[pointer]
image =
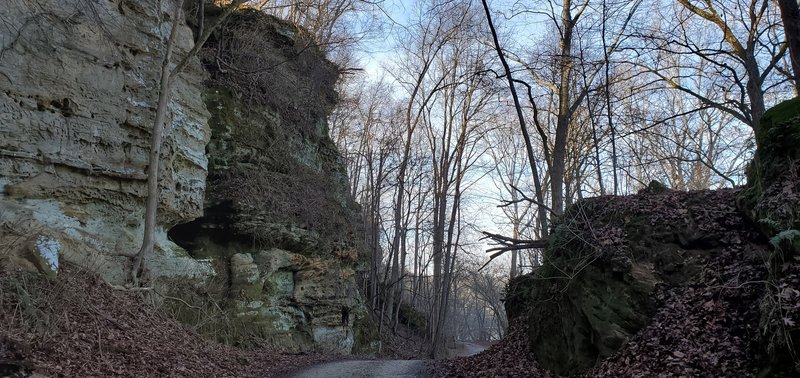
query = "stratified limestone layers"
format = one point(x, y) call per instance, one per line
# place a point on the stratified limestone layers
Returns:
point(279, 217)
point(78, 89)
point(277, 245)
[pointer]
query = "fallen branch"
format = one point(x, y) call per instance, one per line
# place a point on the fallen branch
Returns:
point(505, 244)
point(187, 304)
point(128, 288)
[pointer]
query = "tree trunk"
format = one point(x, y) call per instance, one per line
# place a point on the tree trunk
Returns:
point(754, 91)
point(609, 111)
point(521, 118)
point(791, 26)
point(440, 208)
point(514, 253)
point(564, 116)
point(164, 95)
point(151, 204)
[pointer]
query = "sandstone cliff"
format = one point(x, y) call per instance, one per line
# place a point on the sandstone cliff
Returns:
point(279, 221)
point(276, 249)
point(78, 87)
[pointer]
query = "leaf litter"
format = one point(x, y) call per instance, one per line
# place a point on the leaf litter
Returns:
point(706, 327)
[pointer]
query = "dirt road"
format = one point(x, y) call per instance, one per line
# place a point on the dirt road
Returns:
point(364, 369)
point(464, 349)
point(383, 368)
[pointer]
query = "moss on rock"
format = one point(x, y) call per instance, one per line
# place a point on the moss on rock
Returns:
point(604, 260)
point(517, 295)
point(366, 340)
point(278, 211)
point(771, 199)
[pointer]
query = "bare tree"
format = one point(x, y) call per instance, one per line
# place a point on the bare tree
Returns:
point(454, 148)
point(507, 155)
point(750, 53)
point(336, 26)
point(539, 191)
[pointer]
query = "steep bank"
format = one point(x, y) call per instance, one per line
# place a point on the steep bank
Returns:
point(613, 264)
point(771, 199)
point(78, 326)
point(658, 283)
point(274, 257)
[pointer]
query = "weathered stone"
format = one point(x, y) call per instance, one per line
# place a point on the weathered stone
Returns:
point(246, 282)
point(78, 90)
point(771, 199)
point(771, 196)
point(47, 252)
point(655, 186)
point(78, 87)
point(603, 262)
point(278, 192)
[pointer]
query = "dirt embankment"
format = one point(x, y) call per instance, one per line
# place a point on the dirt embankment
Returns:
point(699, 315)
point(78, 326)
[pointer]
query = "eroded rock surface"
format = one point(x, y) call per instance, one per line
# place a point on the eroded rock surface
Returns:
point(613, 263)
point(78, 88)
point(771, 199)
point(273, 256)
point(278, 212)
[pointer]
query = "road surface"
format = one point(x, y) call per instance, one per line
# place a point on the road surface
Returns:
point(365, 369)
point(383, 368)
point(464, 349)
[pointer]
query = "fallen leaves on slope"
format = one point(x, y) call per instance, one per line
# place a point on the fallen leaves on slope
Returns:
point(77, 326)
point(708, 327)
point(509, 357)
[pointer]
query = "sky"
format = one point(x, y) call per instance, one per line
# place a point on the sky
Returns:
point(375, 56)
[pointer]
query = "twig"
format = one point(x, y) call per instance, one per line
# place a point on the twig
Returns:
point(129, 289)
point(178, 299)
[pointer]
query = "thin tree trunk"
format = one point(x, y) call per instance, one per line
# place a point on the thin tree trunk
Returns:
point(417, 279)
point(609, 111)
point(151, 205)
point(791, 26)
point(164, 95)
point(754, 93)
point(521, 117)
point(564, 116)
point(596, 142)
point(514, 253)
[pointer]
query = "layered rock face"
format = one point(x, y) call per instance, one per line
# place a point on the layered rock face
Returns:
point(279, 217)
point(276, 249)
point(78, 88)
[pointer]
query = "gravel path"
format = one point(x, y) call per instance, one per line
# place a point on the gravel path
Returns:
point(364, 369)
